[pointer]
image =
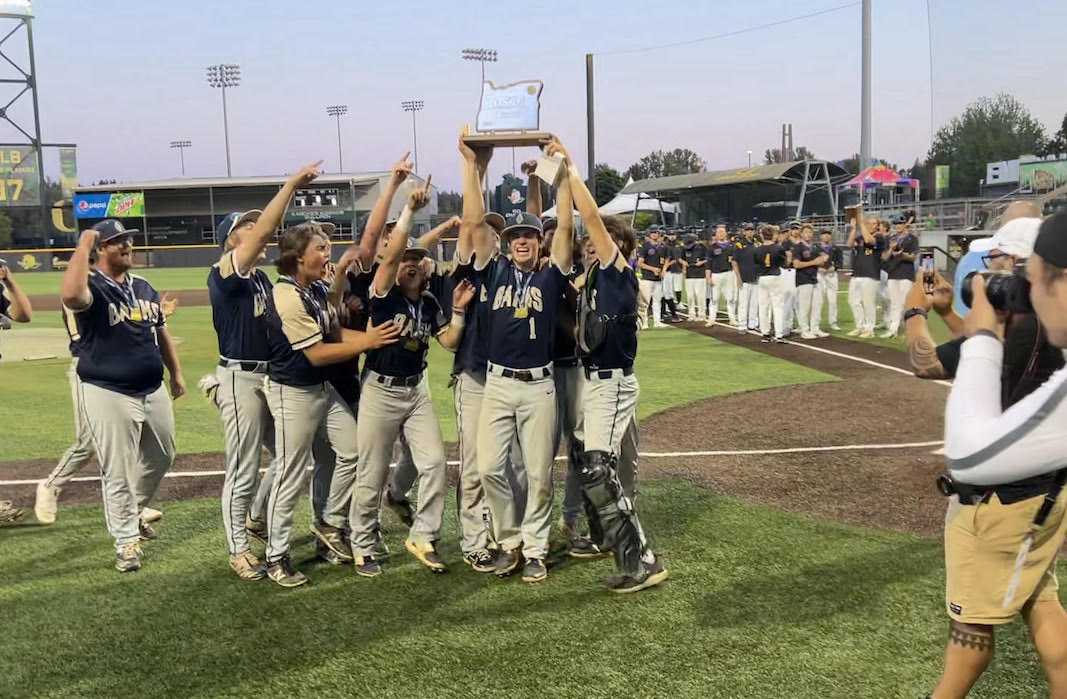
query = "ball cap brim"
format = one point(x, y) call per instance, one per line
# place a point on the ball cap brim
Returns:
point(111, 229)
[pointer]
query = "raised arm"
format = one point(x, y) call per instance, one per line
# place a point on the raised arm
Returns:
point(385, 277)
point(605, 246)
point(473, 235)
point(563, 241)
point(430, 240)
point(368, 242)
point(451, 336)
point(20, 311)
point(74, 290)
point(250, 246)
point(533, 189)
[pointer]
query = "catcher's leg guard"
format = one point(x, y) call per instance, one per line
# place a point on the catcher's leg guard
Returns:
point(612, 521)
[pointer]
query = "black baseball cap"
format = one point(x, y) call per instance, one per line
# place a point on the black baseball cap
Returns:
point(522, 220)
point(233, 221)
point(110, 229)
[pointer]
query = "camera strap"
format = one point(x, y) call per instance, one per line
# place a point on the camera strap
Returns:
point(1050, 499)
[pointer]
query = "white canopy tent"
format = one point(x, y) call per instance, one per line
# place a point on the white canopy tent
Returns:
point(626, 203)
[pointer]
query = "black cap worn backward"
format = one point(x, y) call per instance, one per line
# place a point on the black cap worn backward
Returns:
point(522, 220)
point(233, 221)
point(1051, 242)
point(110, 228)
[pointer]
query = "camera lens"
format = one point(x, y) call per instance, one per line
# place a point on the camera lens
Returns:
point(1006, 291)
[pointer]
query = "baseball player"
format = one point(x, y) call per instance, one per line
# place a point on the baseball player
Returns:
point(519, 396)
point(14, 304)
point(304, 339)
point(238, 291)
point(828, 281)
point(746, 277)
point(124, 345)
point(866, 270)
point(899, 263)
point(652, 260)
point(720, 277)
point(807, 259)
point(772, 258)
point(788, 239)
point(607, 334)
point(396, 397)
point(694, 261)
point(674, 280)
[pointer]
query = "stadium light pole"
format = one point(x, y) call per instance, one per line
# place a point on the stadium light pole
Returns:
point(181, 146)
point(338, 110)
point(749, 153)
point(413, 106)
point(865, 88)
point(224, 75)
point(484, 56)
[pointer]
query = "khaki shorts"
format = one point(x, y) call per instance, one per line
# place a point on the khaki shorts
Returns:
point(982, 543)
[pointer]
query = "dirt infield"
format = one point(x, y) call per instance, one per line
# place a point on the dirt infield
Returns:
point(868, 405)
point(186, 297)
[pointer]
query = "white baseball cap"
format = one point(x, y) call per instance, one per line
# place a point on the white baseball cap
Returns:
point(1016, 237)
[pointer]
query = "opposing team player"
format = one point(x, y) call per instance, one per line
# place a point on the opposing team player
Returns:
point(124, 345)
point(608, 336)
point(720, 277)
point(807, 259)
point(746, 277)
point(828, 281)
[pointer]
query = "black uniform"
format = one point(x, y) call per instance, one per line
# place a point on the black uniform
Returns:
point(695, 253)
point(835, 258)
point(418, 321)
point(653, 255)
point(803, 252)
point(719, 256)
point(866, 259)
point(771, 257)
point(898, 268)
point(745, 254)
point(238, 309)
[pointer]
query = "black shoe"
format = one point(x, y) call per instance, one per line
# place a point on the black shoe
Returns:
point(652, 574)
point(401, 507)
point(367, 567)
point(507, 563)
point(583, 547)
point(534, 571)
point(427, 555)
point(283, 573)
point(482, 561)
point(334, 539)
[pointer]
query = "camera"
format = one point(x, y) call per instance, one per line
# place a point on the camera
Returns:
point(1007, 291)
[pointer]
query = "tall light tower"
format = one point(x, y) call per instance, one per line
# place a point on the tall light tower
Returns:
point(224, 75)
point(483, 56)
point(413, 106)
point(338, 110)
point(181, 146)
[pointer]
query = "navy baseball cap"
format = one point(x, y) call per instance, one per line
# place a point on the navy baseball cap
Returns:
point(110, 229)
point(522, 220)
point(233, 221)
point(495, 221)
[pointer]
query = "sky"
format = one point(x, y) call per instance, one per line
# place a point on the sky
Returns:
point(124, 79)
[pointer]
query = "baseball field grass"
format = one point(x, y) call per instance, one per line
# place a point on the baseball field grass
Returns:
point(674, 367)
point(162, 278)
point(760, 604)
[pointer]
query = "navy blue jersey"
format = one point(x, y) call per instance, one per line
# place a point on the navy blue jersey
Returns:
point(523, 311)
point(771, 258)
point(895, 266)
point(608, 316)
point(473, 353)
point(565, 350)
point(719, 256)
point(238, 308)
point(676, 254)
point(357, 297)
point(866, 260)
point(653, 254)
point(804, 252)
point(5, 303)
point(744, 254)
point(298, 318)
point(70, 323)
point(695, 254)
point(835, 258)
point(117, 336)
point(418, 322)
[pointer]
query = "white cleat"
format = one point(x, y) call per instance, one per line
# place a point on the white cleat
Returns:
point(867, 334)
point(820, 333)
point(46, 505)
point(150, 515)
point(807, 336)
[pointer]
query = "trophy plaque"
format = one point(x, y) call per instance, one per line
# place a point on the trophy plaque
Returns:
point(509, 116)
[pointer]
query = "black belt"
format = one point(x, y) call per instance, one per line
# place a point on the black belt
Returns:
point(565, 363)
point(607, 373)
point(525, 374)
point(1008, 494)
point(254, 367)
point(406, 381)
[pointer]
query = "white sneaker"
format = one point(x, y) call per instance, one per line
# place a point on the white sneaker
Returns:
point(820, 333)
point(659, 325)
point(887, 335)
point(854, 332)
point(807, 336)
point(708, 324)
point(46, 505)
point(835, 326)
point(865, 334)
point(150, 515)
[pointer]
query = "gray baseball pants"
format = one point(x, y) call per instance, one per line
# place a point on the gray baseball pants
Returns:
point(528, 410)
point(81, 450)
point(384, 413)
point(568, 395)
point(247, 425)
point(302, 415)
point(134, 441)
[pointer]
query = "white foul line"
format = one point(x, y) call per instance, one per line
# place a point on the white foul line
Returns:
point(644, 454)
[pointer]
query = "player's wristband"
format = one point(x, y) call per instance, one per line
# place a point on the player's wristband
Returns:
point(912, 312)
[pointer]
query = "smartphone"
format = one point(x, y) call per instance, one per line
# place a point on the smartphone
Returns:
point(926, 266)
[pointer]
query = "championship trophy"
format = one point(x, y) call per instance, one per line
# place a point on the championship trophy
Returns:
point(509, 116)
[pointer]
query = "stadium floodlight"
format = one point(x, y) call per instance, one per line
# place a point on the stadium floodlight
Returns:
point(181, 146)
point(22, 8)
point(483, 56)
point(338, 110)
point(224, 75)
point(413, 106)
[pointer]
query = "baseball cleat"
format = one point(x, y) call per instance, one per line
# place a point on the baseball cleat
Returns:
point(866, 334)
point(765, 339)
point(329, 557)
point(820, 333)
point(401, 507)
point(808, 336)
point(583, 547)
point(367, 567)
point(9, 513)
point(334, 539)
point(283, 573)
point(534, 571)
point(46, 503)
point(257, 529)
point(427, 555)
point(149, 515)
point(854, 332)
point(835, 326)
point(247, 566)
point(128, 558)
point(380, 550)
point(653, 575)
point(482, 561)
point(887, 335)
point(507, 563)
point(145, 532)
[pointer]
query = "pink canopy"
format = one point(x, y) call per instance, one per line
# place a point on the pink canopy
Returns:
point(880, 176)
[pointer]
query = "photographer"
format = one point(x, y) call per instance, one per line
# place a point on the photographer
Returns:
point(1007, 467)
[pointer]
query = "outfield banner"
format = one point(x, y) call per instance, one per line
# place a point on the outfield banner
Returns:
point(20, 183)
point(114, 205)
point(940, 181)
point(68, 171)
point(1043, 176)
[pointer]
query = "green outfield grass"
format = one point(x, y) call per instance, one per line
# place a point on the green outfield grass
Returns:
point(162, 278)
point(760, 604)
point(674, 367)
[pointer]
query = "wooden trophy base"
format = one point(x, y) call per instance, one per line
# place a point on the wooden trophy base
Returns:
point(515, 139)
